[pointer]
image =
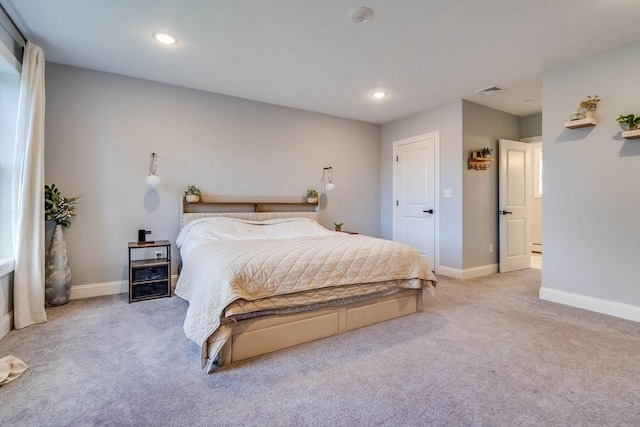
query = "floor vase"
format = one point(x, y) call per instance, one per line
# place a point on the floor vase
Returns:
point(57, 271)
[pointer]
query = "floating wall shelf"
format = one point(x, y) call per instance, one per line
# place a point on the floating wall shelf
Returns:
point(479, 163)
point(582, 123)
point(631, 134)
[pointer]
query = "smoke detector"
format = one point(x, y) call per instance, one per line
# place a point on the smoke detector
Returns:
point(491, 90)
point(360, 15)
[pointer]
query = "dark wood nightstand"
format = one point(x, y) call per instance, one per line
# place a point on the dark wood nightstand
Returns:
point(150, 277)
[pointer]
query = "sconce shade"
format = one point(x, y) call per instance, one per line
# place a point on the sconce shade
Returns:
point(153, 181)
point(329, 187)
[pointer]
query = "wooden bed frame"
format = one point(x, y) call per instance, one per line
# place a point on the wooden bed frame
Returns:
point(261, 335)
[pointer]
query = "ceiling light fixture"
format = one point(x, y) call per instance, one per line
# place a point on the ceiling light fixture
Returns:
point(164, 38)
point(379, 94)
point(360, 15)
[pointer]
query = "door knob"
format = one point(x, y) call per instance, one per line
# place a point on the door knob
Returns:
point(428, 211)
point(504, 213)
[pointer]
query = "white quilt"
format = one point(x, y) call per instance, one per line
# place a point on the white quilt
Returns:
point(217, 272)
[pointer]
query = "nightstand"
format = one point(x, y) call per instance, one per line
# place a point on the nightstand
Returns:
point(150, 277)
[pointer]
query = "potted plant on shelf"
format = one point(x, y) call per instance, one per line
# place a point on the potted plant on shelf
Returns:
point(630, 121)
point(57, 280)
point(589, 106)
point(312, 196)
point(633, 125)
point(192, 194)
point(338, 225)
point(486, 152)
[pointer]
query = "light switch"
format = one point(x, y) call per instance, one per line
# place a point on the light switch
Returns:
point(447, 193)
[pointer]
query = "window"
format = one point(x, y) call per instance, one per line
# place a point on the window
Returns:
point(9, 90)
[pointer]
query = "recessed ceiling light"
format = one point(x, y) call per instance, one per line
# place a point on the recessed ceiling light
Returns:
point(360, 15)
point(379, 94)
point(164, 38)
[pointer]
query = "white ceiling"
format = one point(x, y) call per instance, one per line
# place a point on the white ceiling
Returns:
point(308, 55)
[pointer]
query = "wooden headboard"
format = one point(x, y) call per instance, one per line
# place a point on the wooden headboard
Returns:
point(253, 208)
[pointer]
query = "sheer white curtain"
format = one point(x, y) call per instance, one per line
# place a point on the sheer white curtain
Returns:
point(28, 193)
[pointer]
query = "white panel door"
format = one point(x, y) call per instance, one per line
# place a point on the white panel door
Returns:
point(415, 201)
point(514, 210)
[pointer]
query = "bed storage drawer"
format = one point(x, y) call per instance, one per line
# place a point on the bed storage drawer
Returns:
point(256, 343)
point(359, 317)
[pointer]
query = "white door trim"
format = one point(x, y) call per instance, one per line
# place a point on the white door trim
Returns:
point(436, 136)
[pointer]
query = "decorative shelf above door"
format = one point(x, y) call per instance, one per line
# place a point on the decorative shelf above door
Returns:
point(479, 163)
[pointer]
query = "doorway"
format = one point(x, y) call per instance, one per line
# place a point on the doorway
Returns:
point(536, 200)
point(415, 194)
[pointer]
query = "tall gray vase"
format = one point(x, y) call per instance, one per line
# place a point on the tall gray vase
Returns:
point(57, 271)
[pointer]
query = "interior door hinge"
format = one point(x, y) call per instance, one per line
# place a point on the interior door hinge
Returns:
point(396, 203)
point(396, 158)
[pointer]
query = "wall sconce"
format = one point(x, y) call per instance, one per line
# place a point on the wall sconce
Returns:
point(329, 186)
point(153, 180)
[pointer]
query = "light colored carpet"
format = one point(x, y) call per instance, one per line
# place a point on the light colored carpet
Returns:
point(486, 352)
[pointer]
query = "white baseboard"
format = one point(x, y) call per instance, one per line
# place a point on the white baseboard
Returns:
point(107, 288)
point(6, 325)
point(99, 289)
point(611, 308)
point(469, 273)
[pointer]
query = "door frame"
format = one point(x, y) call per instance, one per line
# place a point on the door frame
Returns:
point(436, 237)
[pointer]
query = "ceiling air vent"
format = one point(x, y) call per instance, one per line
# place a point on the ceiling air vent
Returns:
point(491, 90)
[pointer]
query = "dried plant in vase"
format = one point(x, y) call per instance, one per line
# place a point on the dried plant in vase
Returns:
point(589, 106)
point(57, 276)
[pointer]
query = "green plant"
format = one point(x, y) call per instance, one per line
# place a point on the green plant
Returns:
point(591, 103)
point(486, 152)
point(312, 194)
point(630, 120)
point(192, 190)
point(338, 224)
point(57, 208)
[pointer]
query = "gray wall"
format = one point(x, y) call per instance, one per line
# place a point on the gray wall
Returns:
point(591, 205)
point(448, 120)
point(101, 129)
point(482, 127)
point(531, 125)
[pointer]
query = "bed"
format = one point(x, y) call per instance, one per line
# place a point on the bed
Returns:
point(261, 274)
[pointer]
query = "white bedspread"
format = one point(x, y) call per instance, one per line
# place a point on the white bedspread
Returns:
point(218, 272)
